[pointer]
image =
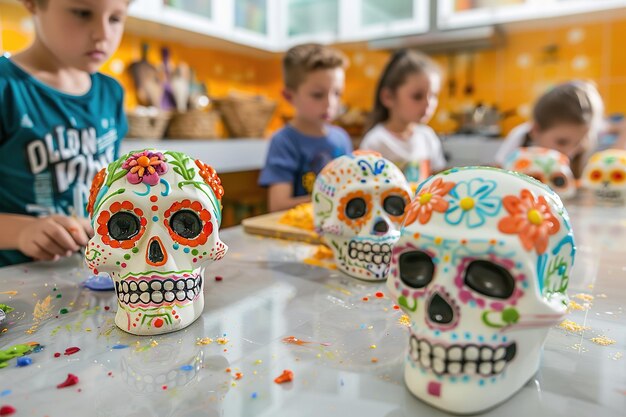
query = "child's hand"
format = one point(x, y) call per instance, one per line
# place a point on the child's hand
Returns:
point(55, 236)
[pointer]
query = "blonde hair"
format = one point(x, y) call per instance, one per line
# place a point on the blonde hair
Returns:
point(401, 64)
point(303, 59)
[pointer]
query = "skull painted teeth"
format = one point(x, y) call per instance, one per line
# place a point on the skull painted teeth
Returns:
point(156, 216)
point(359, 202)
point(546, 165)
point(481, 268)
point(605, 175)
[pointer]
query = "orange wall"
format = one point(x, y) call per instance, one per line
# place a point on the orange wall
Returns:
point(511, 76)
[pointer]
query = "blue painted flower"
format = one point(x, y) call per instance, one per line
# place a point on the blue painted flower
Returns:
point(472, 201)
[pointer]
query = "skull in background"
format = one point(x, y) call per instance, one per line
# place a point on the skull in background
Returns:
point(546, 165)
point(359, 202)
point(155, 216)
point(605, 174)
point(481, 268)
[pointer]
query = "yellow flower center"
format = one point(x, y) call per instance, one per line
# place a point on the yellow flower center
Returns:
point(535, 217)
point(467, 203)
point(425, 198)
point(143, 161)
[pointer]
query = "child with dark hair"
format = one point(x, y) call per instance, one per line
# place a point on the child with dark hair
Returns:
point(567, 118)
point(406, 99)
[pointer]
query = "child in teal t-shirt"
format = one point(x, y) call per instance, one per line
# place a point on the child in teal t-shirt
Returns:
point(61, 122)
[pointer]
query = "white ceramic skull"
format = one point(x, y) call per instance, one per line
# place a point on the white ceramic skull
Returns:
point(481, 268)
point(605, 174)
point(155, 216)
point(549, 166)
point(359, 202)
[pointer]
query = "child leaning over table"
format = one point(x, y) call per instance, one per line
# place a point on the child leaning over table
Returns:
point(314, 81)
point(61, 122)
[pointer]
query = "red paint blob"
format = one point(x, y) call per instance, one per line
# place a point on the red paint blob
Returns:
point(365, 299)
point(154, 198)
point(379, 294)
point(95, 271)
point(286, 376)
point(155, 208)
point(6, 410)
point(71, 380)
point(218, 278)
point(71, 350)
point(164, 387)
point(107, 308)
point(158, 323)
point(396, 307)
point(110, 374)
point(56, 355)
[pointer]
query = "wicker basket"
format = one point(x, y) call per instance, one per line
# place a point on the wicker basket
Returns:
point(142, 126)
point(246, 116)
point(194, 124)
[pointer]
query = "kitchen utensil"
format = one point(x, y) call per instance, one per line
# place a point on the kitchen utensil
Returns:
point(180, 86)
point(469, 78)
point(144, 76)
point(168, 102)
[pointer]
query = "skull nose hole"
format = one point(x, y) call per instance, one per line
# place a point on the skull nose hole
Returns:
point(156, 254)
point(381, 226)
point(439, 310)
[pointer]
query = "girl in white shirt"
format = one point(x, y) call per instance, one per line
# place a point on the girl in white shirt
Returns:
point(406, 99)
point(567, 118)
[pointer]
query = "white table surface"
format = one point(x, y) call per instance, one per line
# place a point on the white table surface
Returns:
point(267, 294)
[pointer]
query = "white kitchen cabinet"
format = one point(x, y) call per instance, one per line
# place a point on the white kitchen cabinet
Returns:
point(463, 14)
point(309, 21)
point(248, 22)
point(375, 19)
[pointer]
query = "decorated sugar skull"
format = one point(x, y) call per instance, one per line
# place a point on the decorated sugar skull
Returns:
point(481, 268)
point(155, 216)
point(359, 202)
point(546, 165)
point(605, 174)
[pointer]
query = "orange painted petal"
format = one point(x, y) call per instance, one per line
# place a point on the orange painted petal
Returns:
point(439, 204)
point(510, 225)
point(511, 204)
point(527, 236)
point(424, 215)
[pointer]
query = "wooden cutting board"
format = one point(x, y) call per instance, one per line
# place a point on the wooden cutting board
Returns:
point(268, 225)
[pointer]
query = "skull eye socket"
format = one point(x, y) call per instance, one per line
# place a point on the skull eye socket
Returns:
point(618, 176)
point(394, 205)
point(356, 208)
point(123, 225)
point(559, 180)
point(489, 279)
point(416, 269)
point(186, 224)
point(595, 175)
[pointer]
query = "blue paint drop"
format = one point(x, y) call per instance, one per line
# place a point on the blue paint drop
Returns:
point(99, 283)
point(468, 335)
point(119, 347)
point(437, 332)
point(481, 339)
point(494, 337)
point(504, 339)
point(5, 393)
point(155, 218)
point(454, 336)
point(24, 361)
point(186, 250)
point(481, 382)
point(186, 368)
point(254, 395)
point(38, 348)
point(176, 246)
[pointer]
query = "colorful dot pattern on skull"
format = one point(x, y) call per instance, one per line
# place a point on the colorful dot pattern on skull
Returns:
point(481, 269)
point(157, 217)
point(359, 203)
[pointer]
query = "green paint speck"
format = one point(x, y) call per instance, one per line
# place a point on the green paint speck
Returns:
point(194, 252)
point(58, 295)
point(134, 250)
point(64, 311)
point(127, 256)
